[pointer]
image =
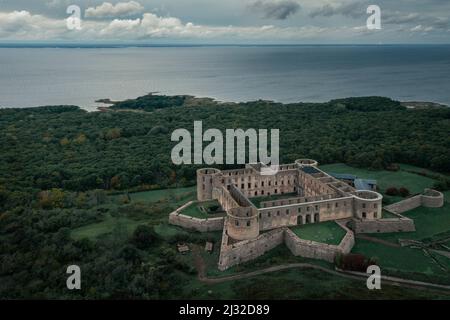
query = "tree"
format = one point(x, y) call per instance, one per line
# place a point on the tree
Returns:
point(403, 192)
point(392, 191)
point(143, 237)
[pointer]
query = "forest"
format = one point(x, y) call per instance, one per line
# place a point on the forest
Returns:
point(59, 165)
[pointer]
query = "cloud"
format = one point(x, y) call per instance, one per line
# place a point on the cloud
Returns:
point(350, 9)
point(23, 24)
point(419, 21)
point(275, 9)
point(109, 10)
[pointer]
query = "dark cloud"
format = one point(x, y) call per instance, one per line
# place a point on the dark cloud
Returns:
point(352, 9)
point(275, 9)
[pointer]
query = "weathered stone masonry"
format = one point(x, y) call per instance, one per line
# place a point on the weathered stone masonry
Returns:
point(249, 232)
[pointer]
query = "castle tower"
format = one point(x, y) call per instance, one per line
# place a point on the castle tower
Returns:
point(306, 163)
point(242, 223)
point(367, 204)
point(205, 183)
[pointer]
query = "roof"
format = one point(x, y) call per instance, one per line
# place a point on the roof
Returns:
point(344, 176)
point(364, 184)
point(309, 170)
point(182, 248)
point(208, 246)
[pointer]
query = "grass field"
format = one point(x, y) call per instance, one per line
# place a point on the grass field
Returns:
point(415, 183)
point(403, 259)
point(388, 215)
point(92, 231)
point(195, 210)
point(326, 232)
point(257, 200)
point(428, 222)
point(163, 201)
point(300, 284)
point(294, 283)
point(178, 196)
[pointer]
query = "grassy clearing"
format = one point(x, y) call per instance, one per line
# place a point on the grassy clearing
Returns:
point(94, 230)
point(388, 215)
point(447, 196)
point(326, 232)
point(203, 210)
point(257, 200)
point(296, 284)
point(177, 196)
point(167, 231)
point(428, 221)
point(415, 183)
point(406, 260)
point(142, 207)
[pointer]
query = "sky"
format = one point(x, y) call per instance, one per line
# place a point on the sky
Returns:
point(226, 21)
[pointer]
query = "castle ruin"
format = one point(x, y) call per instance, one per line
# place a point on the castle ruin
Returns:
point(299, 193)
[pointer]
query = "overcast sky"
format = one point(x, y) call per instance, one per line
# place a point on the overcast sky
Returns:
point(227, 21)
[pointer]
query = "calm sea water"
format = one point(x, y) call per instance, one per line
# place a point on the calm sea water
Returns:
point(79, 76)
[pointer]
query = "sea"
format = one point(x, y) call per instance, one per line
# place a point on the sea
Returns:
point(38, 75)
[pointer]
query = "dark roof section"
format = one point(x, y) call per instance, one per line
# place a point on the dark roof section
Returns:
point(364, 184)
point(344, 176)
point(309, 170)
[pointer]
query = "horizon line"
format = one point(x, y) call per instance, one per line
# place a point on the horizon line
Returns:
point(121, 44)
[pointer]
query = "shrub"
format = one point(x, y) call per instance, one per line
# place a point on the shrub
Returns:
point(403, 192)
point(392, 191)
point(143, 236)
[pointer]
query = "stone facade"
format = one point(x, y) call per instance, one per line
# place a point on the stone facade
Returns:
point(309, 195)
point(402, 224)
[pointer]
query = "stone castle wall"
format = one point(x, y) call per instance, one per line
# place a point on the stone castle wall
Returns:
point(305, 212)
point(201, 225)
point(317, 250)
point(234, 254)
point(383, 225)
point(429, 198)
point(432, 198)
point(405, 205)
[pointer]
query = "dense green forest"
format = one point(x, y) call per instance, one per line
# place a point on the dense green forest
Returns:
point(58, 164)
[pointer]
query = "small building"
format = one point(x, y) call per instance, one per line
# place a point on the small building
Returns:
point(357, 183)
point(347, 178)
point(365, 184)
point(183, 248)
point(209, 246)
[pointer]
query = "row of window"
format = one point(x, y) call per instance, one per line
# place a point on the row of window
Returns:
point(375, 215)
point(236, 222)
point(302, 209)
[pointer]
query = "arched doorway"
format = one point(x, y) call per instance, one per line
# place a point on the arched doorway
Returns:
point(299, 220)
point(316, 217)
point(308, 218)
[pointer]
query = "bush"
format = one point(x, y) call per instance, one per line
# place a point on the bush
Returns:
point(143, 237)
point(392, 191)
point(403, 192)
point(354, 262)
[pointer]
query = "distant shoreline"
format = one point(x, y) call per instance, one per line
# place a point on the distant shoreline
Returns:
point(87, 45)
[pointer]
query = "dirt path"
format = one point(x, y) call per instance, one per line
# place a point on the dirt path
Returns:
point(380, 241)
point(398, 282)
